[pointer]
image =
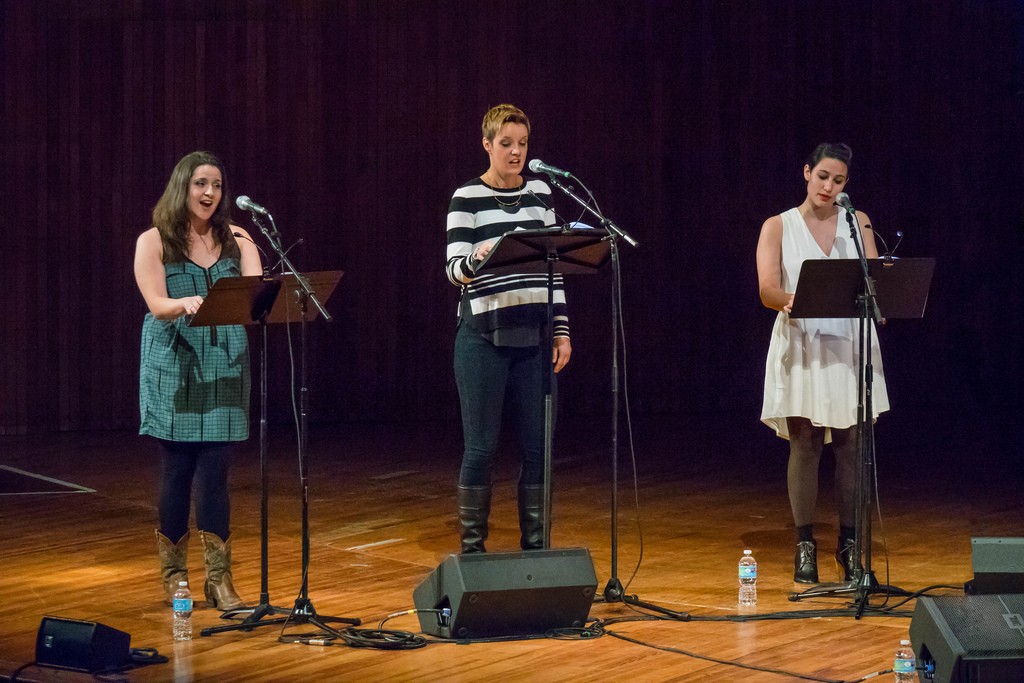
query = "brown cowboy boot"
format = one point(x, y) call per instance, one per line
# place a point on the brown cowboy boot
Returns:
point(219, 590)
point(173, 563)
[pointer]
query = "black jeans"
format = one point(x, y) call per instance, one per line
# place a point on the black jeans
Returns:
point(205, 462)
point(487, 376)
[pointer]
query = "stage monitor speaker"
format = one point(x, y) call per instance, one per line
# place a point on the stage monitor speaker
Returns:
point(998, 565)
point(81, 645)
point(970, 638)
point(489, 595)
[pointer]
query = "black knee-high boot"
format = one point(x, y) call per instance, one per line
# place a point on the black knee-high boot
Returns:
point(531, 517)
point(474, 509)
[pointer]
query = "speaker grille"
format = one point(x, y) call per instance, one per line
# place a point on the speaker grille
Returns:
point(986, 625)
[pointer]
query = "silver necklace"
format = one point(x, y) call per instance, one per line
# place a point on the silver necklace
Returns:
point(505, 205)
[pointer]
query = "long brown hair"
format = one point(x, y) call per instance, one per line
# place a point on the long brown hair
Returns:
point(170, 215)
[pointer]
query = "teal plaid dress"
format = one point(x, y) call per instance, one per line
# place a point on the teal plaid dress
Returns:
point(194, 381)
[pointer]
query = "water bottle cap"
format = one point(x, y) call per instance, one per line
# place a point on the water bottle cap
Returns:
point(904, 642)
point(748, 552)
point(183, 583)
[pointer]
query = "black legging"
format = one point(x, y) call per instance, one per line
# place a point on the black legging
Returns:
point(490, 380)
point(205, 462)
point(805, 445)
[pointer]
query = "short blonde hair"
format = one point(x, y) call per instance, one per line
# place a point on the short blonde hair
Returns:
point(498, 116)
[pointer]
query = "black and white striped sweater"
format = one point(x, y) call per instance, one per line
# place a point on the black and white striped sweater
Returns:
point(479, 213)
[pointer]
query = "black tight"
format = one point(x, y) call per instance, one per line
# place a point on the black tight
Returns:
point(805, 445)
point(206, 463)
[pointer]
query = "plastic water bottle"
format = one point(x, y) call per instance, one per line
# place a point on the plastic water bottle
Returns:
point(183, 612)
point(903, 667)
point(748, 579)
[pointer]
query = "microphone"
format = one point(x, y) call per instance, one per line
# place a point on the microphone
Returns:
point(842, 200)
point(245, 204)
point(538, 166)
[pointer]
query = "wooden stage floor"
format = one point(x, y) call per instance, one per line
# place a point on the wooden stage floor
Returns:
point(382, 517)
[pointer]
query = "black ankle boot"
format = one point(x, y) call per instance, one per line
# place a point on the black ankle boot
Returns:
point(474, 509)
point(805, 563)
point(531, 517)
point(846, 557)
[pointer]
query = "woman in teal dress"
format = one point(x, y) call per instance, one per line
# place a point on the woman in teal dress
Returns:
point(194, 381)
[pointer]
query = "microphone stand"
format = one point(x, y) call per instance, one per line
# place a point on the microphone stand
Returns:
point(303, 612)
point(864, 582)
point(614, 591)
point(864, 575)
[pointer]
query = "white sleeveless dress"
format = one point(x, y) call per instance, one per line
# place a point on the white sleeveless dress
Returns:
point(812, 364)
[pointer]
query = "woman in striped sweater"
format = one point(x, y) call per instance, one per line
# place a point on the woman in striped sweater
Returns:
point(502, 329)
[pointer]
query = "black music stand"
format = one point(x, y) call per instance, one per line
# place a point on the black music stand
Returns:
point(573, 251)
point(828, 288)
point(835, 288)
point(250, 300)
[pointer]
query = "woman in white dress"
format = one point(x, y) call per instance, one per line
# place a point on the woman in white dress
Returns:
point(811, 374)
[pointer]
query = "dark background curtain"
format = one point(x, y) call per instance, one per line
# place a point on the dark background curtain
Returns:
point(354, 121)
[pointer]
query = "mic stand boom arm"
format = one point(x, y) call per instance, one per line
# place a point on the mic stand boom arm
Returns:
point(606, 223)
point(275, 244)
